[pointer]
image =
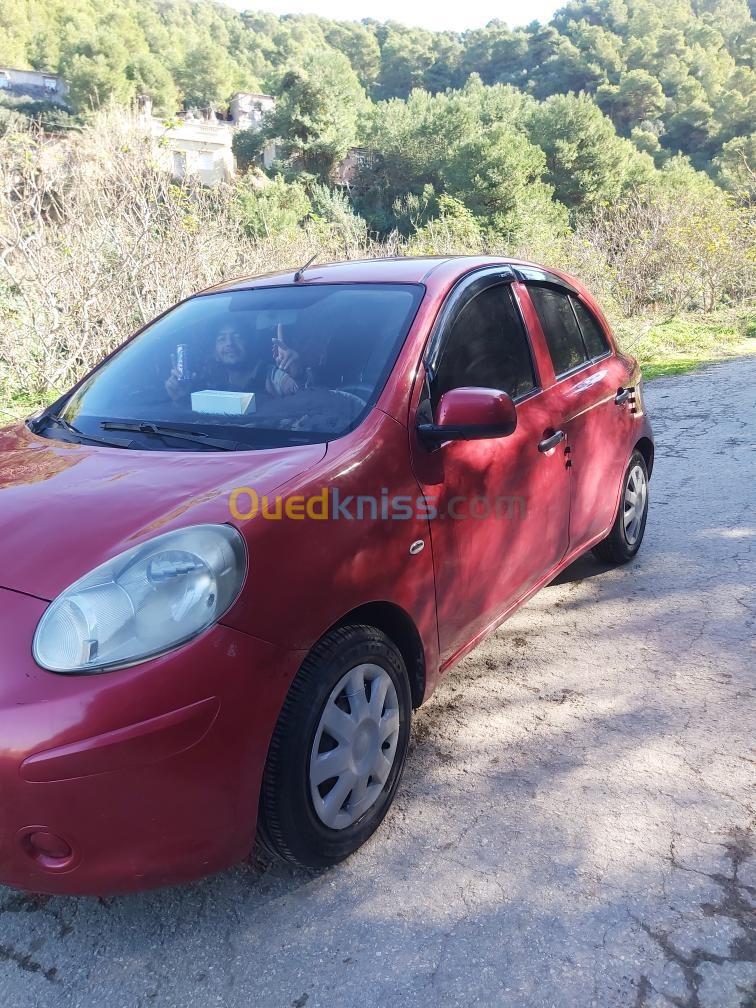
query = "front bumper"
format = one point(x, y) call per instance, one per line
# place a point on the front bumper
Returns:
point(142, 777)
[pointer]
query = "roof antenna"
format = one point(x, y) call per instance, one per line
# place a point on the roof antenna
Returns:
point(300, 271)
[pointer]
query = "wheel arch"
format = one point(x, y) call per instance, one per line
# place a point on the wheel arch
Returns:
point(646, 447)
point(399, 626)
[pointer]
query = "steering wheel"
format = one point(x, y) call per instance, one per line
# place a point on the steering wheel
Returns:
point(363, 392)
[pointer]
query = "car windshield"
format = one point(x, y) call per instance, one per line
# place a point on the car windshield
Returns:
point(256, 368)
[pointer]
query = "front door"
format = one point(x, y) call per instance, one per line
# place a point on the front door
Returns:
point(499, 507)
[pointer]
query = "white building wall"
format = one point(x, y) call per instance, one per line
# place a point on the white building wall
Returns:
point(38, 80)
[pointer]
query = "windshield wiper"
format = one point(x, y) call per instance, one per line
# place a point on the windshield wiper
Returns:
point(53, 418)
point(161, 431)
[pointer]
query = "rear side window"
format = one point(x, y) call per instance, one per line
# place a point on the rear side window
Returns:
point(560, 327)
point(486, 347)
point(593, 335)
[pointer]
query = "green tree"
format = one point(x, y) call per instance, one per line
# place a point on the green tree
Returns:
point(93, 80)
point(413, 140)
point(407, 54)
point(205, 76)
point(247, 146)
point(556, 64)
point(496, 174)
point(690, 126)
point(677, 70)
point(586, 161)
point(637, 99)
point(151, 77)
point(496, 54)
point(647, 141)
point(334, 221)
point(15, 34)
point(360, 47)
point(468, 145)
point(601, 48)
point(315, 119)
point(453, 230)
point(735, 108)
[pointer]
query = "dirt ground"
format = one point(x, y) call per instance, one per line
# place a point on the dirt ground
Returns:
point(574, 826)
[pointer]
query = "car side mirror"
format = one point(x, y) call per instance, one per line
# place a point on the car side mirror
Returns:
point(470, 414)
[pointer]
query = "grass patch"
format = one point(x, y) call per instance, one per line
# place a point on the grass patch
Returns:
point(670, 366)
point(684, 343)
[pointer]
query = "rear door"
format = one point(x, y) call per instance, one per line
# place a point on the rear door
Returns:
point(593, 411)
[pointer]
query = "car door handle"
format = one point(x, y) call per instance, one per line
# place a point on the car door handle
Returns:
point(551, 442)
point(622, 396)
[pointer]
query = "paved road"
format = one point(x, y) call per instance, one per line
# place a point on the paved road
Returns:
point(574, 826)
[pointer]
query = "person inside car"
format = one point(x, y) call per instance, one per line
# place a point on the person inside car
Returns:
point(298, 363)
point(287, 375)
point(237, 365)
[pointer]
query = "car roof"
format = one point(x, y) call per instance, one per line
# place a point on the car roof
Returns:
point(441, 270)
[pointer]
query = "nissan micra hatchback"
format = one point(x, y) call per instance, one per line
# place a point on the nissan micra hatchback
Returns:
point(240, 552)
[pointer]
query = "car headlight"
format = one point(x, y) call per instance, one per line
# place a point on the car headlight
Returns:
point(143, 602)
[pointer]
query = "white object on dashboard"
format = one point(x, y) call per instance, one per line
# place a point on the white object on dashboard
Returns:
point(215, 401)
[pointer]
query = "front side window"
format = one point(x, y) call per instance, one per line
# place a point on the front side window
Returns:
point(560, 327)
point(262, 367)
point(486, 347)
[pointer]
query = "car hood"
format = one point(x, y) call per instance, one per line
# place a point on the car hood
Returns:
point(66, 508)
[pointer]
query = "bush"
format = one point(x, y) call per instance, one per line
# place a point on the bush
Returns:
point(334, 221)
point(454, 230)
point(678, 245)
point(269, 208)
point(51, 116)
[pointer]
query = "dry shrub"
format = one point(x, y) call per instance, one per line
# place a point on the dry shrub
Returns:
point(95, 240)
point(676, 252)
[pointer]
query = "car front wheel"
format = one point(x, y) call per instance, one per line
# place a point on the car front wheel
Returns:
point(626, 535)
point(338, 749)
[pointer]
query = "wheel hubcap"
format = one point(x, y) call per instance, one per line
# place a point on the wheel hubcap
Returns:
point(636, 499)
point(355, 745)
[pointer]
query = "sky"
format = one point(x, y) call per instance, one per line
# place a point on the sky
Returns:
point(421, 13)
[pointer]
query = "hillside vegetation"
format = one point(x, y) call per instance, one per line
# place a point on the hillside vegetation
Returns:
point(675, 76)
point(613, 142)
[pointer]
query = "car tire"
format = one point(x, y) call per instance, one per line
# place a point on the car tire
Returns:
point(342, 732)
point(626, 535)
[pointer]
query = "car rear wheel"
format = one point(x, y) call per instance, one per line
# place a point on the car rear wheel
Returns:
point(625, 538)
point(338, 749)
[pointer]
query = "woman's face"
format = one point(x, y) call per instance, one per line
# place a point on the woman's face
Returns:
point(229, 348)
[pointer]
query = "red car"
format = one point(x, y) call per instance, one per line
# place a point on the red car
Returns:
point(240, 552)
